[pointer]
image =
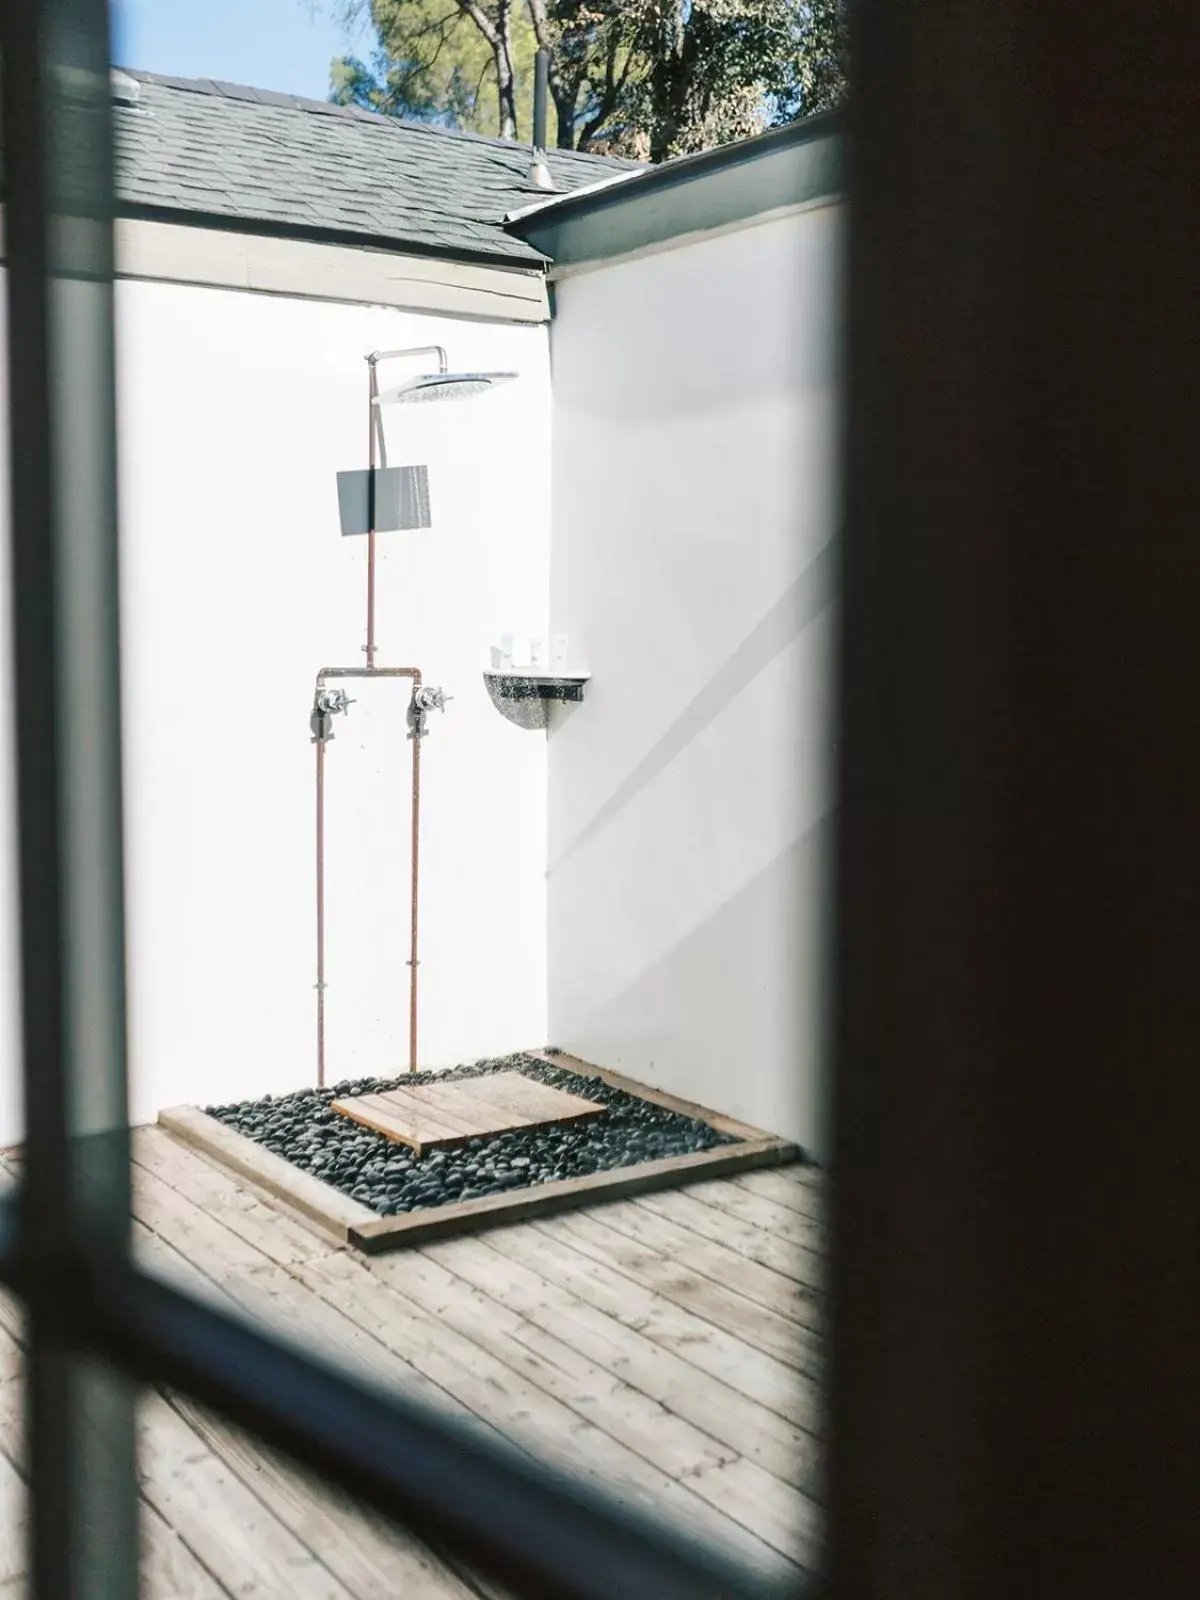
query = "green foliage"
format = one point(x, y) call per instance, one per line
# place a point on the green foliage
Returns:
point(432, 63)
point(644, 78)
point(718, 70)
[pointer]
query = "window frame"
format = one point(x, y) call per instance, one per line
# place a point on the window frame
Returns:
point(1014, 1018)
point(96, 1326)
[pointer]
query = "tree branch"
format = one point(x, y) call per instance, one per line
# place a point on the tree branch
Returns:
point(470, 8)
point(611, 96)
point(541, 24)
point(498, 36)
point(425, 62)
point(482, 76)
point(436, 25)
point(505, 73)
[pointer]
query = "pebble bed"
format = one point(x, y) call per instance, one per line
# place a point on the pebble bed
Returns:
point(391, 1178)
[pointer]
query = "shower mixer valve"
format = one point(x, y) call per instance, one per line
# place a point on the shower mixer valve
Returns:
point(424, 700)
point(327, 704)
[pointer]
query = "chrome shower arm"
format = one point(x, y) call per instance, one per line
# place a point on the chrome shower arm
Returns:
point(377, 356)
point(373, 360)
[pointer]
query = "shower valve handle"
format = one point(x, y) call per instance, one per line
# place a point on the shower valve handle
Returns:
point(429, 699)
point(327, 703)
point(424, 700)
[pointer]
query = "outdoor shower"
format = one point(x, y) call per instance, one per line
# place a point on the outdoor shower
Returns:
point(381, 500)
point(429, 386)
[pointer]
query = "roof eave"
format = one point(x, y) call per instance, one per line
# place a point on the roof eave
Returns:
point(789, 167)
point(534, 262)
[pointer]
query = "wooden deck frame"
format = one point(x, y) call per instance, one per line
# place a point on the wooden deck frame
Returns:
point(359, 1225)
point(313, 1199)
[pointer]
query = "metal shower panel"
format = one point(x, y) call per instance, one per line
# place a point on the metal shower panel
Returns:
point(401, 499)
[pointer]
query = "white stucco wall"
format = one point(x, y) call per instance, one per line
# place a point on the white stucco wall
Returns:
point(236, 410)
point(694, 502)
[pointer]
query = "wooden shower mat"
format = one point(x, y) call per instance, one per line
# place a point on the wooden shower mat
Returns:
point(431, 1116)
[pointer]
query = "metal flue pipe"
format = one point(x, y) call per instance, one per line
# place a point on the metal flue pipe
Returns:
point(539, 172)
point(541, 91)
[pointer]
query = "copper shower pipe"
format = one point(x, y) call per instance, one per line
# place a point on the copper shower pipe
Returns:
point(414, 675)
point(372, 424)
point(375, 432)
point(320, 744)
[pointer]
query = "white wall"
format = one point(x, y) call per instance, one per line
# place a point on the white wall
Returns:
point(236, 410)
point(694, 438)
point(695, 422)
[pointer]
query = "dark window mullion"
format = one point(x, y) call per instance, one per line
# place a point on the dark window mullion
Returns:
point(58, 179)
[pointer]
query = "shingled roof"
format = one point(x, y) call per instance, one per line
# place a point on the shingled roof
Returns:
point(223, 155)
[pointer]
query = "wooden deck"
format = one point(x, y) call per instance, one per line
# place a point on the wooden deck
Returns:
point(668, 1345)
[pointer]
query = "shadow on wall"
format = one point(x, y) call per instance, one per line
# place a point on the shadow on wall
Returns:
point(704, 1024)
point(801, 603)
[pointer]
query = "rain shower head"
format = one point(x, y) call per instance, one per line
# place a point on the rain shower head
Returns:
point(442, 386)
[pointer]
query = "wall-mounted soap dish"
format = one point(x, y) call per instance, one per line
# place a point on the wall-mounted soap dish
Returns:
point(525, 697)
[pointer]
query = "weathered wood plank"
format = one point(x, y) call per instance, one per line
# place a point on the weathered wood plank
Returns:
point(432, 1116)
point(532, 1414)
point(686, 1450)
point(523, 1102)
point(429, 1109)
point(763, 1213)
point(645, 1425)
point(282, 1302)
point(800, 1263)
point(418, 1227)
point(14, 1509)
point(374, 1560)
point(169, 1570)
point(351, 1554)
point(402, 1121)
point(12, 1320)
point(709, 1301)
point(152, 1252)
point(202, 1238)
point(805, 1197)
point(809, 1175)
point(223, 1524)
point(276, 1231)
point(432, 1104)
point(673, 1243)
point(300, 1190)
point(11, 1359)
point(709, 1349)
point(787, 1450)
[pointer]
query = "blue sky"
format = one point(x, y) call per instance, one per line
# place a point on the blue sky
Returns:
point(271, 44)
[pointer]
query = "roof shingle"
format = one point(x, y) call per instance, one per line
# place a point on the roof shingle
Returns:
point(218, 150)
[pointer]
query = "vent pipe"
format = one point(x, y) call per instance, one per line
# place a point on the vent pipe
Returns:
point(539, 173)
point(126, 91)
